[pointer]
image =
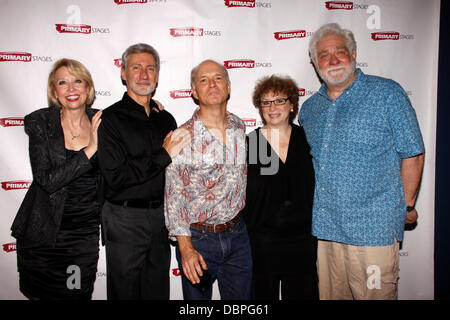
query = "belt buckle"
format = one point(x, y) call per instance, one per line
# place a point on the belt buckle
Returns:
point(215, 226)
point(202, 226)
point(225, 226)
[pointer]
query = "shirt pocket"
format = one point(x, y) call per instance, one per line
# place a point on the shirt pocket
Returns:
point(365, 134)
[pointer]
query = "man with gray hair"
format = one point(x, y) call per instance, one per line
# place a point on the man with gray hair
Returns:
point(368, 156)
point(136, 143)
point(205, 193)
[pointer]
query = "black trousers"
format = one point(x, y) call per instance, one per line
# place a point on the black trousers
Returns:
point(137, 253)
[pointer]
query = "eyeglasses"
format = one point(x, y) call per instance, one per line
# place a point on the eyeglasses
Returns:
point(276, 102)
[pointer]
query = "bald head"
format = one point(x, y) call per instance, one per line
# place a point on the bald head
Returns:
point(194, 71)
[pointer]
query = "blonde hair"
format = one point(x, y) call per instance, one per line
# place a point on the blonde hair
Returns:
point(77, 69)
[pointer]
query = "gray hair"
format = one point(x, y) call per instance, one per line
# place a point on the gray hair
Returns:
point(195, 69)
point(331, 29)
point(141, 48)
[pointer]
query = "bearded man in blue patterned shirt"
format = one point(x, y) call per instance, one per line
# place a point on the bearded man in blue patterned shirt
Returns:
point(368, 156)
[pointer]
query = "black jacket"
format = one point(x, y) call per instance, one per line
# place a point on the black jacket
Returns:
point(38, 219)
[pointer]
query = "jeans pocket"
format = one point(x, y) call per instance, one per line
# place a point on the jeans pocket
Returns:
point(198, 235)
point(239, 227)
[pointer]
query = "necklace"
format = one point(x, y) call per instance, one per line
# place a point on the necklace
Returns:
point(71, 133)
point(74, 136)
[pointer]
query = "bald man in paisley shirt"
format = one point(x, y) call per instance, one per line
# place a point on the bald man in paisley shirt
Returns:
point(205, 192)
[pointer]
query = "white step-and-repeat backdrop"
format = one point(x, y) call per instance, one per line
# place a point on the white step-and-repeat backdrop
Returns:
point(396, 39)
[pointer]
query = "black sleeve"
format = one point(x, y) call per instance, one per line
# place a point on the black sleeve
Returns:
point(46, 173)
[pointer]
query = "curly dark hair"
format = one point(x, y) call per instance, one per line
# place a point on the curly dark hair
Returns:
point(278, 85)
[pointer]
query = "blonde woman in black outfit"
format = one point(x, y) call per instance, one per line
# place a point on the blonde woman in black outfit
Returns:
point(280, 189)
point(57, 226)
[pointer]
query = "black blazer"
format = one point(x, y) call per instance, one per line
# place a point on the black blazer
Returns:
point(38, 219)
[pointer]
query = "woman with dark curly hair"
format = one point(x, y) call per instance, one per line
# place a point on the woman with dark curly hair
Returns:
point(280, 187)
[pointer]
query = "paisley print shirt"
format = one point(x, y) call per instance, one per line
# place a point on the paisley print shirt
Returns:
point(206, 182)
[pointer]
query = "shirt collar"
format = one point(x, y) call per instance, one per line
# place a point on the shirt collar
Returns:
point(230, 121)
point(132, 105)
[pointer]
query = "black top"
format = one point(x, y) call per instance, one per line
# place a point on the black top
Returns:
point(131, 157)
point(40, 213)
point(279, 206)
point(81, 206)
point(278, 212)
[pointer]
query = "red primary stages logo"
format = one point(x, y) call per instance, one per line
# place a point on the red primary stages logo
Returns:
point(23, 57)
point(193, 32)
point(16, 185)
point(179, 94)
point(15, 56)
point(282, 35)
point(186, 32)
point(11, 122)
point(73, 28)
point(240, 3)
point(129, 1)
point(118, 63)
point(390, 35)
point(301, 92)
point(9, 247)
point(249, 122)
point(176, 272)
point(244, 63)
point(339, 5)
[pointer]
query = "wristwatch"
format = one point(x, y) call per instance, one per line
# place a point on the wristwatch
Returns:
point(409, 208)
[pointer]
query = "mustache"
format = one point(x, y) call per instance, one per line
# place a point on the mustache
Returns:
point(144, 82)
point(334, 68)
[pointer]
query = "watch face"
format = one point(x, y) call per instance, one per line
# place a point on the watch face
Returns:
point(409, 209)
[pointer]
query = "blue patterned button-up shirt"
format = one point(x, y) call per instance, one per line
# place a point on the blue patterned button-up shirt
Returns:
point(357, 143)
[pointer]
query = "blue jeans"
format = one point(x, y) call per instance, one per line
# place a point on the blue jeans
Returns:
point(228, 257)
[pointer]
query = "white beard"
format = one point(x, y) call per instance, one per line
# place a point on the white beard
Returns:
point(347, 73)
point(143, 91)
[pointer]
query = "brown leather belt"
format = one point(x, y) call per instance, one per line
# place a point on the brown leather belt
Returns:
point(217, 227)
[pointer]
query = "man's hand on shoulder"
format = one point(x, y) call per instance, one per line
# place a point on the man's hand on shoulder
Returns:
point(175, 141)
point(160, 106)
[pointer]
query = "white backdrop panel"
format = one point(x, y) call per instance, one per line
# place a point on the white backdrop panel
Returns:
point(224, 30)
